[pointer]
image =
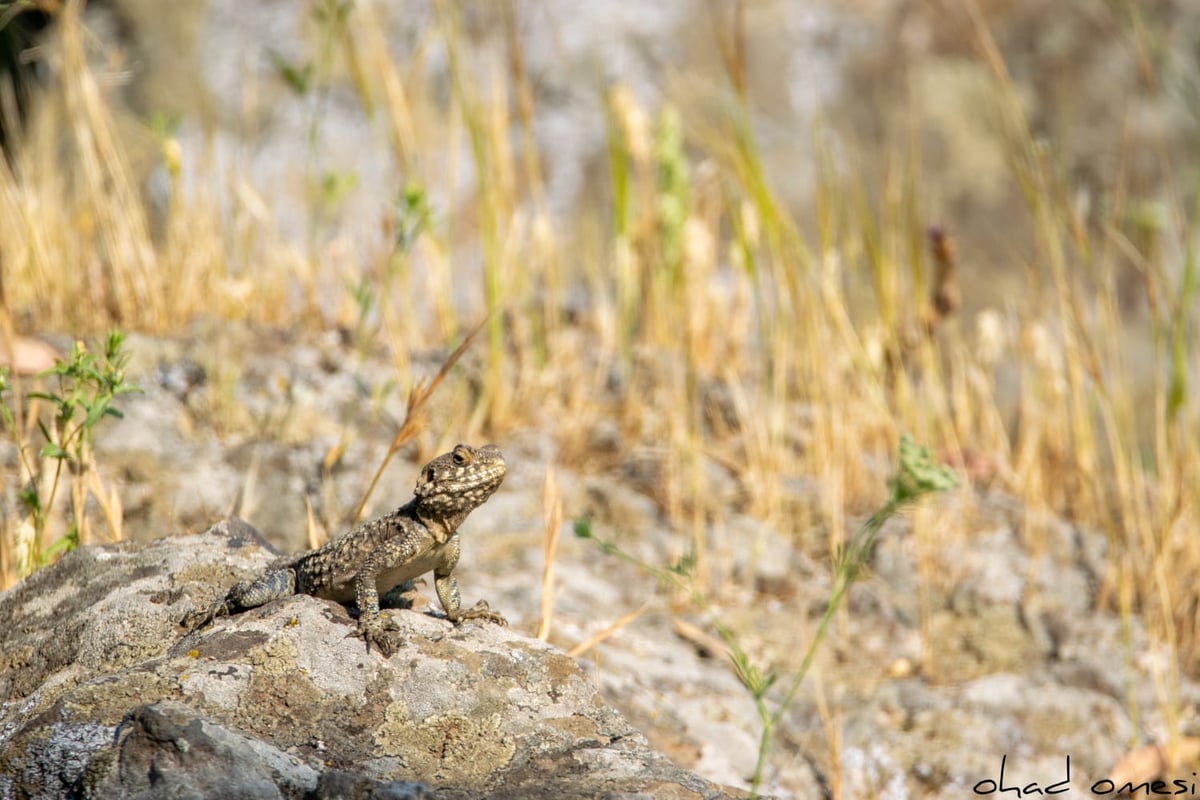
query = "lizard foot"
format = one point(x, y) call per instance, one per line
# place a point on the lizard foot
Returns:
point(381, 631)
point(197, 618)
point(481, 611)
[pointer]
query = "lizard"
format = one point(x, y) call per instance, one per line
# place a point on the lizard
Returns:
point(385, 552)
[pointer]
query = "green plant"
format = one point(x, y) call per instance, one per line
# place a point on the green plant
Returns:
point(86, 389)
point(412, 218)
point(917, 475)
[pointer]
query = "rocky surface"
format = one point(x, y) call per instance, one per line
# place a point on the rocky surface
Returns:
point(104, 697)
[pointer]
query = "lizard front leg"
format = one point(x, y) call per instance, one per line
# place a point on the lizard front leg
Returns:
point(447, 591)
point(373, 626)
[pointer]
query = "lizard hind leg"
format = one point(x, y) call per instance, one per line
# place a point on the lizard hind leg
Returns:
point(272, 585)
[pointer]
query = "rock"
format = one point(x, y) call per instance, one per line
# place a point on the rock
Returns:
point(165, 749)
point(102, 695)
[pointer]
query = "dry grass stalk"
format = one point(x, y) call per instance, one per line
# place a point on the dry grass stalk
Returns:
point(315, 535)
point(599, 637)
point(417, 397)
point(552, 513)
point(110, 504)
point(707, 645)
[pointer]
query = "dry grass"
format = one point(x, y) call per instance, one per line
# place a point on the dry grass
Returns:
point(552, 510)
point(738, 336)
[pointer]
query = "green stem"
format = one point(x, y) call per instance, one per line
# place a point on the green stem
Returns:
point(764, 744)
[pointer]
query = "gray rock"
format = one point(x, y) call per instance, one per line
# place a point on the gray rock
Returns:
point(102, 695)
point(165, 749)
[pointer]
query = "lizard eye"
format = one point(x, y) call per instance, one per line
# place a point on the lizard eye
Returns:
point(461, 456)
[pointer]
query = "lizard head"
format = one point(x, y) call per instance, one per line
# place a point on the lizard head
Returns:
point(456, 483)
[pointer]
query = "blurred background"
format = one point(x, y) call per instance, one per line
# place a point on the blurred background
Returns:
point(312, 119)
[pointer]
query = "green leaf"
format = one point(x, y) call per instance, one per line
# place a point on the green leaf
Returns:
point(29, 496)
point(112, 344)
point(742, 668)
point(583, 528)
point(64, 544)
point(58, 401)
point(749, 675)
point(335, 186)
point(686, 563)
point(412, 217)
point(52, 450)
point(841, 558)
point(298, 78)
point(94, 414)
point(59, 368)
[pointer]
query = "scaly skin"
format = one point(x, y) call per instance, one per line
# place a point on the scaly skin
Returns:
point(382, 553)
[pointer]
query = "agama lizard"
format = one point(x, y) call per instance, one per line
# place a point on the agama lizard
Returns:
point(385, 552)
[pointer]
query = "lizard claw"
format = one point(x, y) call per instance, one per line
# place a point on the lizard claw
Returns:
point(381, 631)
point(198, 618)
point(480, 611)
